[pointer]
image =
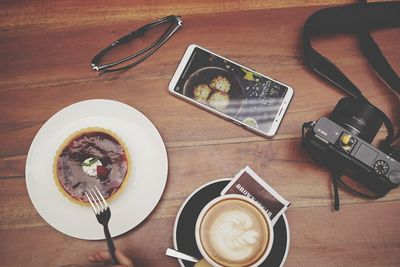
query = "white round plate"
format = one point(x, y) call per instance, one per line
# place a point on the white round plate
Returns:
point(149, 165)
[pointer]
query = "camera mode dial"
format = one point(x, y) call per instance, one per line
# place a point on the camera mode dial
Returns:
point(381, 167)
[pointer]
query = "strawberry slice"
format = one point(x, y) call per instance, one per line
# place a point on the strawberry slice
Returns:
point(102, 172)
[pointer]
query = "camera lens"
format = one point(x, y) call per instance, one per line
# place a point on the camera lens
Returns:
point(358, 117)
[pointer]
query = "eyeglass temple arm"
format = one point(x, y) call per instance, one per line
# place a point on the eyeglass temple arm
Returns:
point(155, 44)
point(137, 33)
point(153, 49)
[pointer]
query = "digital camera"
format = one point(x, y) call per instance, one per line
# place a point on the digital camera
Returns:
point(342, 143)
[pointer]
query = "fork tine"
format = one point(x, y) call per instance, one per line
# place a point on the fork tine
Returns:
point(98, 200)
point(91, 203)
point(102, 198)
point(95, 202)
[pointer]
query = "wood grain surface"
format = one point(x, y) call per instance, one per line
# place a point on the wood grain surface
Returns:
point(45, 49)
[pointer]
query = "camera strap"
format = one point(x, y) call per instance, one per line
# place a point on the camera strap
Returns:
point(357, 19)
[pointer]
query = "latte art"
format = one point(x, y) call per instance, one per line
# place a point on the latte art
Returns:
point(234, 233)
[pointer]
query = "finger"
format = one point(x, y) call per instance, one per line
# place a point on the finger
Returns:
point(99, 256)
point(91, 258)
point(124, 260)
point(102, 255)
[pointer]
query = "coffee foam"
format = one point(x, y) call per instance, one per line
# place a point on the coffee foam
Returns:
point(234, 233)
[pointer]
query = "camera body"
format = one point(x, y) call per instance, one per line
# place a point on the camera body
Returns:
point(344, 152)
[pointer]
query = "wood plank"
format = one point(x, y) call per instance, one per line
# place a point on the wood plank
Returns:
point(45, 50)
point(12, 167)
point(355, 236)
point(43, 74)
point(285, 167)
point(75, 13)
point(358, 235)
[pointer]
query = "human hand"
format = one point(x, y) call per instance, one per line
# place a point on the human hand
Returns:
point(103, 256)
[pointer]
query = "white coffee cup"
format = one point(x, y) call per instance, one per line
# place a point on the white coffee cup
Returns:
point(233, 230)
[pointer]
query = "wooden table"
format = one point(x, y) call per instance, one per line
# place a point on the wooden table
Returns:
point(45, 49)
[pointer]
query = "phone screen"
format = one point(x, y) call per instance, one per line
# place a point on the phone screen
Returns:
point(231, 89)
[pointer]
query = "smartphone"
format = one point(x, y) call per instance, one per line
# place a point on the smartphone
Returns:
point(230, 90)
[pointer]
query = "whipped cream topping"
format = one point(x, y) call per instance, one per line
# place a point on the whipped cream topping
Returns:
point(89, 166)
point(233, 235)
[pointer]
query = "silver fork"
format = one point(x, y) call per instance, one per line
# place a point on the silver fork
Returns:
point(103, 214)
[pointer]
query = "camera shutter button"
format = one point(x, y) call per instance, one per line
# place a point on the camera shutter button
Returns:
point(394, 177)
point(347, 141)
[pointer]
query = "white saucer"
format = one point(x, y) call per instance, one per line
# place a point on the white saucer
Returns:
point(144, 186)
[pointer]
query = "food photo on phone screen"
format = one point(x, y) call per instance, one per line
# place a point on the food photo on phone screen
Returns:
point(230, 90)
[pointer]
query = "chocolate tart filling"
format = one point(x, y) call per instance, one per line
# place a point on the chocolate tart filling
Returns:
point(88, 158)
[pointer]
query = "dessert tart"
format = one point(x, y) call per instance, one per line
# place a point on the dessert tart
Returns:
point(91, 157)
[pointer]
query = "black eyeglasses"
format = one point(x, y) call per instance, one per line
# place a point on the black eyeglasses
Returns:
point(145, 40)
